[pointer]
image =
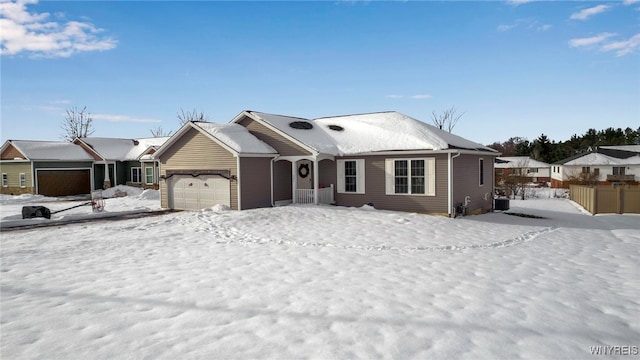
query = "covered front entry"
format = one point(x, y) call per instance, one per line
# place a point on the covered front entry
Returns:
point(187, 192)
point(63, 182)
point(297, 180)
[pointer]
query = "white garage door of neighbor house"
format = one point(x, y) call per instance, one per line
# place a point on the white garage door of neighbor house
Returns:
point(195, 193)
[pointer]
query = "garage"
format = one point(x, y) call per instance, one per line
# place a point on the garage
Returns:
point(63, 182)
point(188, 192)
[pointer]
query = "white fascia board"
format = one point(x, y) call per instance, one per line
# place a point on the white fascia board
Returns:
point(9, 142)
point(257, 155)
point(90, 148)
point(277, 131)
point(217, 141)
point(172, 140)
point(424, 152)
point(11, 161)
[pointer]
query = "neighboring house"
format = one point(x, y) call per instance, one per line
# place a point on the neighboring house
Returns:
point(386, 159)
point(50, 168)
point(604, 165)
point(129, 160)
point(57, 168)
point(536, 171)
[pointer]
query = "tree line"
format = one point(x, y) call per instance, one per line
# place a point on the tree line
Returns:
point(543, 149)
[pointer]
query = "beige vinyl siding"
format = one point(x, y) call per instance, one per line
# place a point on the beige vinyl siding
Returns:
point(375, 186)
point(196, 151)
point(11, 153)
point(466, 175)
point(255, 186)
point(282, 180)
point(282, 145)
point(13, 171)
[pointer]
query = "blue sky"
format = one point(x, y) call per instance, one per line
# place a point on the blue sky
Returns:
point(514, 68)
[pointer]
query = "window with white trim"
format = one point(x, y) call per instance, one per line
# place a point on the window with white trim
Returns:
point(148, 175)
point(410, 176)
point(136, 175)
point(350, 176)
point(5, 180)
point(23, 180)
point(618, 170)
point(481, 171)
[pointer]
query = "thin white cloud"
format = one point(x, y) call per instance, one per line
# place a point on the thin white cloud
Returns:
point(394, 96)
point(590, 41)
point(518, 2)
point(421, 96)
point(528, 23)
point(123, 118)
point(584, 14)
point(503, 28)
point(24, 32)
point(624, 47)
point(630, 2)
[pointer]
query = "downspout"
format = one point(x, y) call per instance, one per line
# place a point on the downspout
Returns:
point(294, 181)
point(315, 180)
point(238, 178)
point(33, 179)
point(271, 179)
point(450, 187)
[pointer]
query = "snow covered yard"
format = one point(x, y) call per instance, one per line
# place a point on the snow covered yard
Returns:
point(323, 282)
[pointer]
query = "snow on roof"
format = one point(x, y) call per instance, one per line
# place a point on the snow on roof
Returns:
point(630, 148)
point(315, 137)
point(519, 162)
point(236, 137)
point(50, 150)
point(144, 145)
point(602, 159)
point(388, 131)
point(122, 149)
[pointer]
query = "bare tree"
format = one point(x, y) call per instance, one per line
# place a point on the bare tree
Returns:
point(77, 124)
point(515, 183)
point(159, 132)
point(447, 120)
point(583, 177)
point(193, 115)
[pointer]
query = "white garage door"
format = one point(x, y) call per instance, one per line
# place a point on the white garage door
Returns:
point(194, 193)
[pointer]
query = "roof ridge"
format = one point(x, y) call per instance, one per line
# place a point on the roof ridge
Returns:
point(288, 116)
point(358, 114)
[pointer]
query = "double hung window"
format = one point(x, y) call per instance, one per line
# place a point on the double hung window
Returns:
point(410, 176)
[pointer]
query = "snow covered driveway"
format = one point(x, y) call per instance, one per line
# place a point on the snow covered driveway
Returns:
point(324, 282)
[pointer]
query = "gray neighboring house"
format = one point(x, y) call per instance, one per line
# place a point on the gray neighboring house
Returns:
point(51, 168)
point(386, 159)
point(129, 161)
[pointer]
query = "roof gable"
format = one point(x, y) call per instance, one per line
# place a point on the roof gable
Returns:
point(50, 150)
point(233, 137)
point(310, 136)
point(121, 149)
point(594, 158)
point(236, 137)
point(10, 152)
point(505, 162)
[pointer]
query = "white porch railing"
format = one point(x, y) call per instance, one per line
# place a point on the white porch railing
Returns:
point(305, 196)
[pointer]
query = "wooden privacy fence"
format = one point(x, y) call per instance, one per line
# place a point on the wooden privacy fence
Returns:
point(607, 199)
